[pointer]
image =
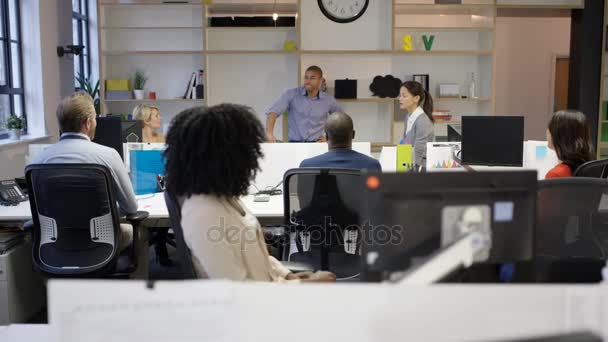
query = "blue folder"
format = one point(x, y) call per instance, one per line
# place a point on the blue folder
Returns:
point(146, 166)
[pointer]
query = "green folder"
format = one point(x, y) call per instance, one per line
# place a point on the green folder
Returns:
point(405, 160)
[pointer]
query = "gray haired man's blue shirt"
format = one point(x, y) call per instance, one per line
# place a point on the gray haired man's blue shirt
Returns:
point(83, 150)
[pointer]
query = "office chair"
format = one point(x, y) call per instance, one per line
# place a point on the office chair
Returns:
point(184, 256)
point(322, 216)
point(593, 169)
point(571, 234)
point(76, 225)
point(159, 238)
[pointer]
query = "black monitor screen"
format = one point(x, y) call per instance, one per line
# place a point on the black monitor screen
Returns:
point(493, 140)
point(405, 214)
point(112, 131)
point(109, 133)
point(454, 133)
point(132, 131)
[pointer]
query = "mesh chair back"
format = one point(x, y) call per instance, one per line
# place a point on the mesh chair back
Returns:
point(571, 229)
point(593, 169)
point(76, 225)
point(183, 252)
point(322, 211)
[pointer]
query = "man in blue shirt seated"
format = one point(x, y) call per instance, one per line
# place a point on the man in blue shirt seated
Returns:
point(340, 134)
point(77, 122)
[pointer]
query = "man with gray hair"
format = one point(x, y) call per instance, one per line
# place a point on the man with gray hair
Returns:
point(340, 133)
point(77, 122)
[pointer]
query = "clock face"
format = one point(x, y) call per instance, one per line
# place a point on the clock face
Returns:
point(343, 11)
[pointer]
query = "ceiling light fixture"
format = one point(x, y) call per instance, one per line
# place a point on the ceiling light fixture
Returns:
point(275, 15)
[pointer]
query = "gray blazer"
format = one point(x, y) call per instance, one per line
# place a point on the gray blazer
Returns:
point(422, 132)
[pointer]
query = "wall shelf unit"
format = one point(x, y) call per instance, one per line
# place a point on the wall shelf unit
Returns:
point(372, 100)
point(249, 65)
point(437, 99)
point(252, 8)
point(445, 29)
point(152, 28)
point(152, 52)
point(249, 52)
point(536, 4)
point(251, 28)
point(165, 40)
point(397, 52)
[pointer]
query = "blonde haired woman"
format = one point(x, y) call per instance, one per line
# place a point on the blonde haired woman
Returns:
point(150, 116)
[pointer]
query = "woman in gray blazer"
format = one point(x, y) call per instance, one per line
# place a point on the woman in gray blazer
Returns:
point(419, 120)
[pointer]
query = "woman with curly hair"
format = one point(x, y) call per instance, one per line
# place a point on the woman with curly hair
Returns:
point(212, 155)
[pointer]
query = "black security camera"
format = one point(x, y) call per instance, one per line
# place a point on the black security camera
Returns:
point(69, 49)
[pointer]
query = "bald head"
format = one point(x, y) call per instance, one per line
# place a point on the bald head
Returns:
point(340, 131)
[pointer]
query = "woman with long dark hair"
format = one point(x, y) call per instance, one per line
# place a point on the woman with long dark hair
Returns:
point(569, 135)
point(211, 157)
point(418, 103)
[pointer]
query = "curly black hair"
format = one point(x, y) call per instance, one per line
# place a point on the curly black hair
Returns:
point(213, 150)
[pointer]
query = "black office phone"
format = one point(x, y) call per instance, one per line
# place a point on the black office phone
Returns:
point(11, 193)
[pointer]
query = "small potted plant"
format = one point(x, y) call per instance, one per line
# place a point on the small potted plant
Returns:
point(139, 81)
point(15, 124)
point(85, 84)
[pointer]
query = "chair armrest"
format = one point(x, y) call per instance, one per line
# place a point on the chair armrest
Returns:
point(137, 218)
point(277, 240)
point(296, 267)
point(273, 232)
point(28, 226)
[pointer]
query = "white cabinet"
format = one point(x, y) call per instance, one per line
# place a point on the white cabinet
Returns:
point(22, 290)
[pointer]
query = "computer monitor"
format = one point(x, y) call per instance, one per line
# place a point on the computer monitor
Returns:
point(405, 213)
point(132, 131)
point(112, 131)
point(454, 132)
point(493, 140)
point(145, 167)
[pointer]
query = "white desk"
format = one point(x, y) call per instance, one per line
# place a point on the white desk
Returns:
point(388, 159)
point(20, 212)
point(500, 168)
point(280, 157)
point(269, 213)
point(155, 205)
point(536, 157)
point(209, 310)
point(25, 333)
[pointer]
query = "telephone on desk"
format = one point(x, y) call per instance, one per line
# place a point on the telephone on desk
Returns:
point(11, 193)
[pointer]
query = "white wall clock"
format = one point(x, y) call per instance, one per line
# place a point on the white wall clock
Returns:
point(343, 11)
